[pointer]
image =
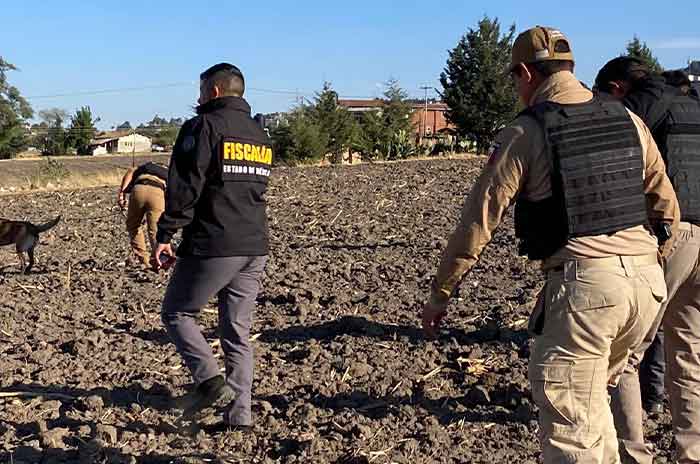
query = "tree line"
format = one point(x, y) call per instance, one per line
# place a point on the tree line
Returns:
point(52, 137)
point(479, 97)
point(324, 127)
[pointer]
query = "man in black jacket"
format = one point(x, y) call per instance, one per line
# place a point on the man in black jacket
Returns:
point(674, 120)
point(218, 177)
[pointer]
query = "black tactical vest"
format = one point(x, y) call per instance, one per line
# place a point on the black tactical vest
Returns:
point(681, 147)
point(597, 177)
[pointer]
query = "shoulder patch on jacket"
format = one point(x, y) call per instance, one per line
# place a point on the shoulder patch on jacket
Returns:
point(188, 143)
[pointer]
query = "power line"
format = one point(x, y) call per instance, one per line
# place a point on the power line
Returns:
point(117, 90)
point(291, 93)
point(82, 128)
point(147, 87)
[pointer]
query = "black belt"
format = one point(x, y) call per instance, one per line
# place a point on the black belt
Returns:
point(149, 182)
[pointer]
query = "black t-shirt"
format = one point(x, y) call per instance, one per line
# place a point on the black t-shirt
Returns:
point(149, 168)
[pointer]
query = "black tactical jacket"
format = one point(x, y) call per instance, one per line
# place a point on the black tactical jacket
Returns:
point(216, 184)
point(650, 99)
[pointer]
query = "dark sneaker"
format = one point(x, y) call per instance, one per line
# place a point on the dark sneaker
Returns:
point(213, 393)
point(654, 409)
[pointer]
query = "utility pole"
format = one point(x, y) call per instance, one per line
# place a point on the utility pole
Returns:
point(425, 112)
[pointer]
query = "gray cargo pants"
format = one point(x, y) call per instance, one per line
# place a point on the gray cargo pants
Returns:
point(652, 371)
point(236, 281)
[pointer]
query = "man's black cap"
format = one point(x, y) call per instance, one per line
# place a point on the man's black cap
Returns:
point(619, 69)
point(222, 67)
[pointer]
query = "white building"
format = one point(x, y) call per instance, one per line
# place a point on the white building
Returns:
point(120, 143)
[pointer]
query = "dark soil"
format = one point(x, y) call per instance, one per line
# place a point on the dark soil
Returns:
point(343, 373)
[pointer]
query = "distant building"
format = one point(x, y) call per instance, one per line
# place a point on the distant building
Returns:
point(693, 71)
point(120, 142)
point(362, 106)
point(430, 120)
point(274, 120)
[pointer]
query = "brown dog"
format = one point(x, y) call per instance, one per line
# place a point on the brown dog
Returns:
point(25, 237)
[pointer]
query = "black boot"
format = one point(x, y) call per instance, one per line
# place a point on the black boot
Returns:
point(212, 393)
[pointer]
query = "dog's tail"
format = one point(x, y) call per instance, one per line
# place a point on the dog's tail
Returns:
point(44, 227)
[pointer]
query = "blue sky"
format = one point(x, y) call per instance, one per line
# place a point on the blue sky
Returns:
point(64, 47)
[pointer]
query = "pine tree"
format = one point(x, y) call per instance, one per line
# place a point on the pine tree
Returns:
point(82, 130)
point(14, 113)
point(640, 50)
point(387, 133)
point(299, 138)
point(335, 122)
point(479, 95)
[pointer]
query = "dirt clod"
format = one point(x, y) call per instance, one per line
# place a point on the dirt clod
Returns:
point(343, 373)
point(106, 433)
point(54, 438)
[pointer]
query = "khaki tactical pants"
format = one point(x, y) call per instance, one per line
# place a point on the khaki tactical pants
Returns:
point(590, 316)
point(684, 298)
point(149, 202)
point(682, 342)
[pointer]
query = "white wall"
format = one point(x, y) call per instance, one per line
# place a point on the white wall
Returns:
point(126, 144)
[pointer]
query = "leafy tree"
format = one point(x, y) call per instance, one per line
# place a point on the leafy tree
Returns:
point(54, 141)
point(82, 130)
point(640, 50)
point(337, 125)
point(158, 121)
point(480, 97)
point(51, 115)
point(312, 131)
point(14, 112)
point(166, 136)
point(387, 133)
point(161, 131)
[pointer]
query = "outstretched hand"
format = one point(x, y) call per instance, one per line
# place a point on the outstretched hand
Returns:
point(433, 313)
point(121, 200)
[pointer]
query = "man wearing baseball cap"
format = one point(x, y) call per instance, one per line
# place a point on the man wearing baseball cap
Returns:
point(589, 188)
